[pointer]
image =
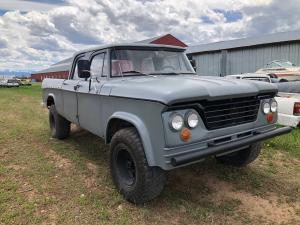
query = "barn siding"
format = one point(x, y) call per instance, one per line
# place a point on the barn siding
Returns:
point(39, 77)
point(208, 64)
point(246, 59)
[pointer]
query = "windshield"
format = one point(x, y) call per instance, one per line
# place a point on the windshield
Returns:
point(284, 64)
point(149, 62)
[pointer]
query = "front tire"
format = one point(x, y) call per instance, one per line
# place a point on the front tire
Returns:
point(241, 158)
point(59, 126)
point(132, 176)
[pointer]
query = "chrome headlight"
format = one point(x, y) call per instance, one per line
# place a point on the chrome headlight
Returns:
point(192, 119)
point(176, 122)
point(274, 106)
point(266, 107)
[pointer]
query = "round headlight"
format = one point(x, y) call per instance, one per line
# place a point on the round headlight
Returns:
point(177, 122)
point(192, 120)
point(266, 107)
point(274, 106)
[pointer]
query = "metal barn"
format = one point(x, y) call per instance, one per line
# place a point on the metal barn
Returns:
point(245, 55)
point(59, 70)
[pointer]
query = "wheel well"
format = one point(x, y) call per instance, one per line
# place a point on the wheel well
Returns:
point(50, 101)
point(283, 80)
point(115, 125)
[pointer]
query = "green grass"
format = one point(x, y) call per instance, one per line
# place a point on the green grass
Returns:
point(45, 181)
point(287, 143)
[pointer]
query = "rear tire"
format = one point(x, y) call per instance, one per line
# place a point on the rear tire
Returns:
point(241, 158)
point(59, 126)
point(132, 176)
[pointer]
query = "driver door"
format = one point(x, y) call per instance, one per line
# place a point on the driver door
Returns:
point(69, 88)
point(88, 94)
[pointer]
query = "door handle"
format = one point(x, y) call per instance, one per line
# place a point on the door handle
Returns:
point(65, 83)
point(77, 86)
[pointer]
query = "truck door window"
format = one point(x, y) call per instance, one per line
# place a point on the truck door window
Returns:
point(99, 67)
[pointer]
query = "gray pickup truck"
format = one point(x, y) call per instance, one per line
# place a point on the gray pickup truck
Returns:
point(157, 115)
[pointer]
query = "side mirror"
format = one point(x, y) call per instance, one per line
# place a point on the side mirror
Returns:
point(193, 63)
point(84, 68)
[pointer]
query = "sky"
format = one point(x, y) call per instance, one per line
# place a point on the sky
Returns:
point(37, 33)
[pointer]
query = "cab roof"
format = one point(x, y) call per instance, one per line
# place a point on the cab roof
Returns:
point(93, 49)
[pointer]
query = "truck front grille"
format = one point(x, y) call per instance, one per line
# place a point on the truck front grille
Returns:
point(229, 112)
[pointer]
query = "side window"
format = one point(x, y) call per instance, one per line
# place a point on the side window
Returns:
point(97, 65)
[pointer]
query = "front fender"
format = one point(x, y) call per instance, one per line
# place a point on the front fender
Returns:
point(142, 130)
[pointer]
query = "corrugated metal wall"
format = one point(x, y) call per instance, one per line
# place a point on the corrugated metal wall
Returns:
point(246, 60)
point(208, 63)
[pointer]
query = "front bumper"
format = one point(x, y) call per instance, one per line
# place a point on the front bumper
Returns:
point(226, 147)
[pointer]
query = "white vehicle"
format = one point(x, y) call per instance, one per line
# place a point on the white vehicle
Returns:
point(10, 83)
point(2, 83)
point(288, 97)
point(283, 69)
point(288, 109)
point(253, 76)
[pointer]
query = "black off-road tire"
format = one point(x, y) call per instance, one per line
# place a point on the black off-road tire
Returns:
point(132, 176)
point(241, 158)
point(59, 126)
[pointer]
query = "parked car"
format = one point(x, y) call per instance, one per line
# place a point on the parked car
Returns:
point(254, 76)
point(283, 69)
point(24, 82)
point(2, 83)
point(288, 98)
point(157, 115)
point(10, 83)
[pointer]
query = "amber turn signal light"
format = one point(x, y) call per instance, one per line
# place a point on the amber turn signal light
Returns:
point(185, 134)
point(269, 117)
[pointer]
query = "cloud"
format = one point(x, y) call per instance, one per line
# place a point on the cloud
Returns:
point(37, 36)
point(26, 6)
point(276, 16)
point(3, 43)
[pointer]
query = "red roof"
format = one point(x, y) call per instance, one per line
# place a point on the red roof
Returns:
point(167, 39)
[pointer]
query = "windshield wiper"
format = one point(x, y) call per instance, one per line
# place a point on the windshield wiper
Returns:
point(135, 71)
point(172, 73)
point(188, 73)
point(165, 73)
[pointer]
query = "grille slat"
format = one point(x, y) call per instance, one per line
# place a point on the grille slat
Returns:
point(230, 112)
point(211, 104)
point(237, 108)
point(236, 118)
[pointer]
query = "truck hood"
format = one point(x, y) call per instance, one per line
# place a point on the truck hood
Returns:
point(170, 89)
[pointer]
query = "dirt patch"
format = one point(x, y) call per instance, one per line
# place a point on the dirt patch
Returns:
point(271, 208)
point(92, 168)
point(15, 167)
point(59, 161)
